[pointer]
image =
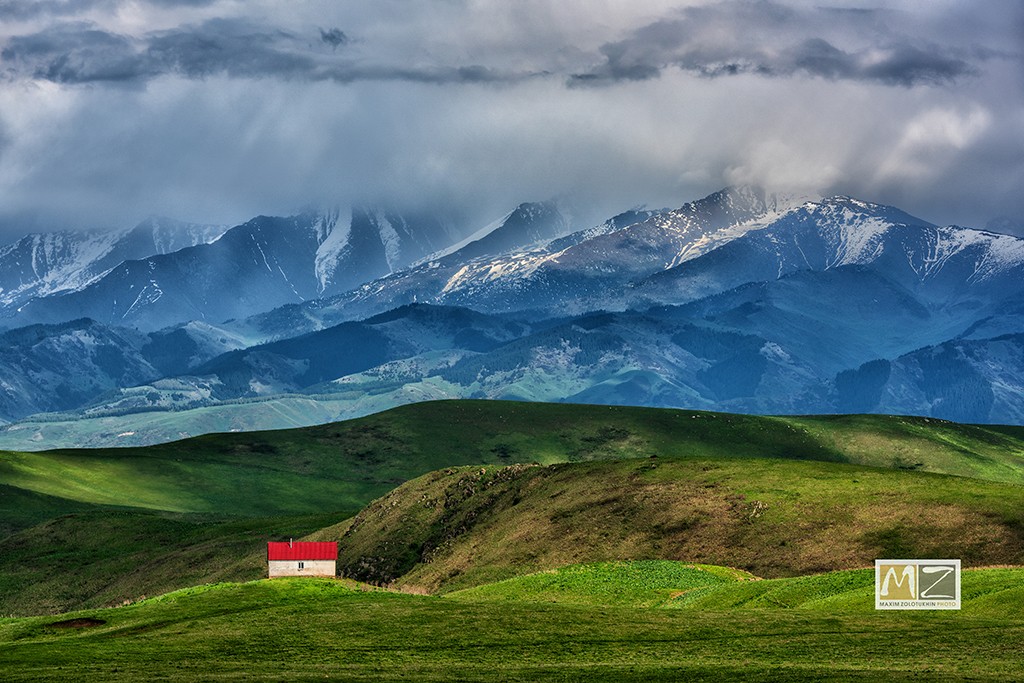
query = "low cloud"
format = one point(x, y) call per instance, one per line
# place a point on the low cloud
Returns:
point(79, 53)
point(772, 40)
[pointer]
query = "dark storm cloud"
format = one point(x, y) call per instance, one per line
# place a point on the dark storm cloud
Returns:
point(80, 53)
point(334, 37)
point(769, 39)
point(222, 46)
point(75, 53)
point(23, 10)
point(71, 53)
point(114, 109)
point(723, 39)
point(181, 3)
point(908, 65)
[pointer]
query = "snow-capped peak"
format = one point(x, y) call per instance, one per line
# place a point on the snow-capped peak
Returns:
point(49, 263)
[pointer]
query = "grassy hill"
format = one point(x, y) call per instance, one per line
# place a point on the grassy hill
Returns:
point(994, 592)
point(985, 592)
point(307, 629)
point(640, 583)
point(343, 466)
point(461, 527)
point(200, 509)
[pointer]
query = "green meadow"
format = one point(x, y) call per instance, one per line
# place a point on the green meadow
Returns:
point(513, 541)
point(306, 629)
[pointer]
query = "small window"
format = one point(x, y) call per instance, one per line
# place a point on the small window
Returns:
point(302, 565)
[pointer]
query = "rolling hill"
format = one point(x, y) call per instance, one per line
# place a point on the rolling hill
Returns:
point(346, 465)
point(462, 527)
point(186, 511)
point(675, 516)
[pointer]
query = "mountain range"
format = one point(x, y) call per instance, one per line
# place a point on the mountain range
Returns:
point(48, 264)
point(266, 262)
point(741, 301)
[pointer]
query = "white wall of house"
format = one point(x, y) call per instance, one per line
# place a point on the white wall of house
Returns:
point(302, 567)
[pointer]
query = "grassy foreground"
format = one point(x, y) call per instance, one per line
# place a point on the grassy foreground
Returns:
point(992, 592)
point(639, 583)
point(314, 629)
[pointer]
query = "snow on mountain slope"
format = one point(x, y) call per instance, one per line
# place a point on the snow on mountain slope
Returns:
point(944, 263)
point(49, 263)
point(160, 235)
point(333, 239)
point(373, 243)
point(995, 253)
point(529, 226)
point(618, 222)
point(862, 233)
point(264, 263)
point(571, 274)
point(522, 231)
point(476, 236)
point(589, 271)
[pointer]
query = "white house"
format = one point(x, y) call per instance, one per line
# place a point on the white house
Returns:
point(303, 558)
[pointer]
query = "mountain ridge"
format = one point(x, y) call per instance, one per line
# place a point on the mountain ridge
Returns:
point(263, 263)
point(741, 301)
point(45, 264)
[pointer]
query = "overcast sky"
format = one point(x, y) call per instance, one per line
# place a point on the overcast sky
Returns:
point(218, 110)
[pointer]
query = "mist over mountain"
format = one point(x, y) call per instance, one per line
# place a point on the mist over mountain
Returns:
point(213, 110)
point(1006, 226)
point(582, 271)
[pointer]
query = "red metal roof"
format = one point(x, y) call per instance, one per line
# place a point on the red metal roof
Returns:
point(303, 550)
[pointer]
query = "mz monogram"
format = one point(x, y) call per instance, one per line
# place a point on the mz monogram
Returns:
point(917, 584)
